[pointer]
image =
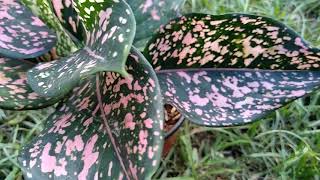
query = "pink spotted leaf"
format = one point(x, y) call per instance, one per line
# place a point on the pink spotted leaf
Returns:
point(110, 128)
point(228, 97)
point(108, 40)
point(231, 69)
point(15, 93)
point(149, 15)
point(22, 35)
point(69, 18)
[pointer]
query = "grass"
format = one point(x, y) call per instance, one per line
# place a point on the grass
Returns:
point(284, 145)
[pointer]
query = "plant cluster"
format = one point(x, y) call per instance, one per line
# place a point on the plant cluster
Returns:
point(217, 70)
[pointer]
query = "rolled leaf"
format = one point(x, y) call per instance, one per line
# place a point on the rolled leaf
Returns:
point(22, 35)
point(107, 47)
point(231, 69)
point(110, 128)
point(15, 93)
point(43, 10)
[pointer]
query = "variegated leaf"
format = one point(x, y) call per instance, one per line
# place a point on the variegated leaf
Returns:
point(69, 18)
point(110, 128)
point(151, 14)
point(230, 41)
point(22, 35)
point(43, 10)
point(226, 97)
point(107, 46)
point(15, 94)
point(231, 69)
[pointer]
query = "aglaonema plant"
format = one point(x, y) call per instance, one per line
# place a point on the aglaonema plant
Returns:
point(221, 70)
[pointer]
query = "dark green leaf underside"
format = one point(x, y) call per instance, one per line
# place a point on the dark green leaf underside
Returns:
point(217, 97)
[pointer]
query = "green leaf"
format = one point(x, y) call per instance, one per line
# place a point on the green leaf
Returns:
point(22, 35)
point(43, 10)
point(230, 41)
point(110, 128)
point(15, 94)
point(231, 69)
point(228, 97)
point(66, 14)
point(107, 47)
point(151, 14)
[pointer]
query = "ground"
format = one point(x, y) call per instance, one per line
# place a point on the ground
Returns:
point(284, 145)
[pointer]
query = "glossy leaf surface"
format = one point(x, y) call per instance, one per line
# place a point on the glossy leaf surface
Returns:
point(231, 69)
point(110, 128)
point(230, 41)
point(15, 94)
point(22, 35)
point(43, 10)
point(107, 47)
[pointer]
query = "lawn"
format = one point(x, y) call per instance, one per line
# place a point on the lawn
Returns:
point(284, 145)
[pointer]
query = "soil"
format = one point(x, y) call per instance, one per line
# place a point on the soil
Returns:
point(172, 116)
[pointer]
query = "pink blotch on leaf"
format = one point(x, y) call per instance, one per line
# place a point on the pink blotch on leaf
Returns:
point(154, 15)
point(128, 122)
point(146, 5)
point(143, 142)
point(61, 123)
point(298, 42)
point(188, 39)
point(185, 76)
point(150, 153)
point(148, 123)
point(49, 163)
point(58, 6)
point(199, 101)
point(77, 144)
point(88, 157)
point(298, 93)
point(5, 38)
point(36, 21)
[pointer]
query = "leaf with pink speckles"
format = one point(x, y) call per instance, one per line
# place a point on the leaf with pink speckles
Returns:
point(67, 15)
point(227, 97)
point(151, 14)
point(231, 69)
point(230, 41)
point(22, 35)
point(15, 94)
point(108, 41)
point(43, 10)
point(111, 127)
